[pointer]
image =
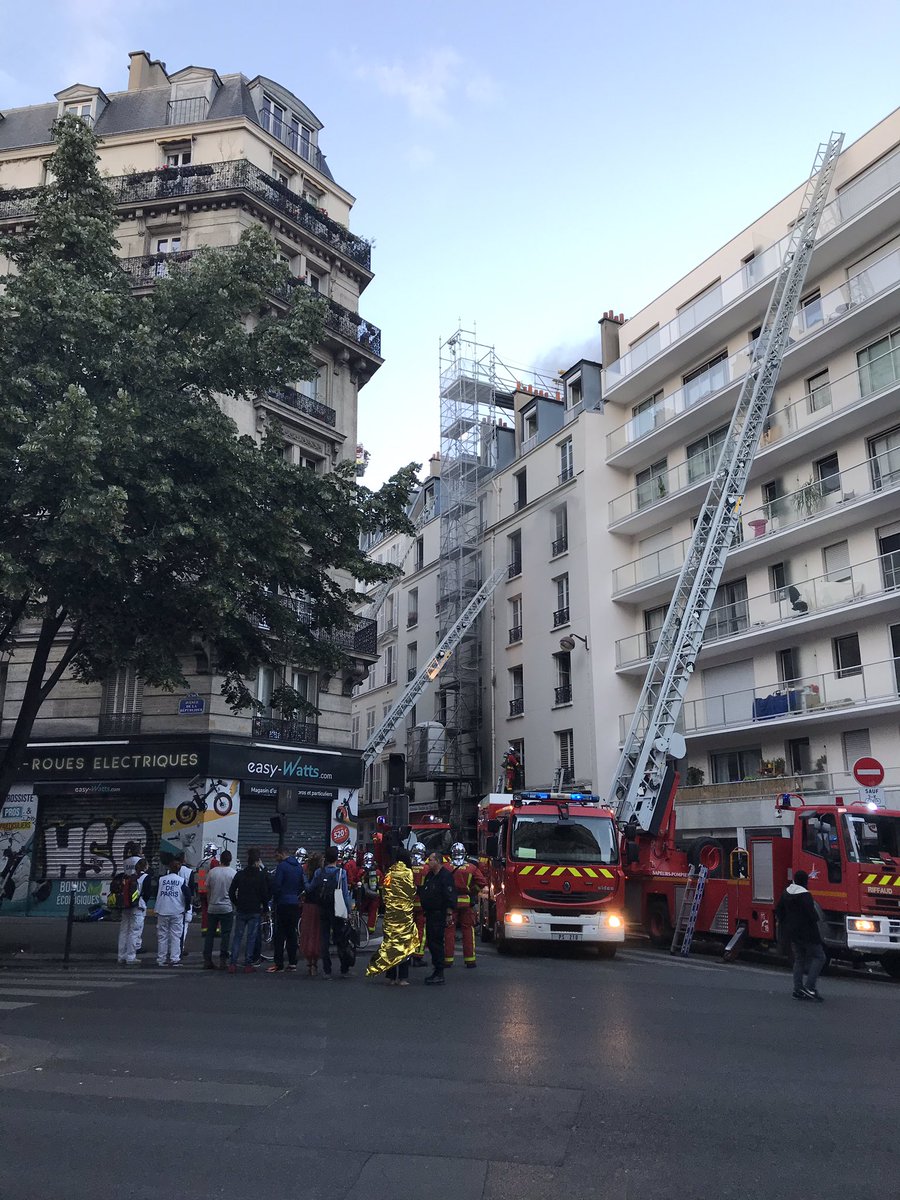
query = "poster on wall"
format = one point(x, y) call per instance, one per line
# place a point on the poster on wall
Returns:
point(18, 820)
point(195, 817)
point(344, 818)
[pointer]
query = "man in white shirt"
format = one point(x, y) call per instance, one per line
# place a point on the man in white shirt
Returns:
point(172, 898)
point(187, 874)
point(219, 912)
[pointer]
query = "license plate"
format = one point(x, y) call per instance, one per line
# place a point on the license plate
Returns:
point(565, 937)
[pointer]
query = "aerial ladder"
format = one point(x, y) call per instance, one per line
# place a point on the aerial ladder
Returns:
point(643, 784)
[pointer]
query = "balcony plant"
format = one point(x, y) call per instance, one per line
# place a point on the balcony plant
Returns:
point(694, 777)
point(808, 498)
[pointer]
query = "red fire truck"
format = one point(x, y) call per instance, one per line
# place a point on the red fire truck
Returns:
point(552, 862)
point(851, 853)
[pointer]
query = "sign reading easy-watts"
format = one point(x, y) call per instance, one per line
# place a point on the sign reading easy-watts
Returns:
point(307, 770)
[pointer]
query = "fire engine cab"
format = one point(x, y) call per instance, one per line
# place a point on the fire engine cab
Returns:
point(552, 862)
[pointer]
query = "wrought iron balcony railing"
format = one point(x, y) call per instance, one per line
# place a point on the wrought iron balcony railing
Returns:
point(187, 111)
point(359, 637)
point(563, 695)
point(560, 617)
point(515, 568)
point(515, 634)
point(517, 706)
point(305, 404)
point(286, 729)
point(119, 722)
point(296, 138)
point(560, 546)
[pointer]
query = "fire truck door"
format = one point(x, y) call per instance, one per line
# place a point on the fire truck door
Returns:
point(761, 923)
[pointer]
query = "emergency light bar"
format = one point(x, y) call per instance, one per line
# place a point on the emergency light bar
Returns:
point(555, 798)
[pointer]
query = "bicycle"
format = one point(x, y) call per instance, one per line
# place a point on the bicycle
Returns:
point(359, 929)
point(222, 803)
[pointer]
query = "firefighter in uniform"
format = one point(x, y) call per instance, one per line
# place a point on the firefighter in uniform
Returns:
point(210, 860)
point(371, 890)
point(347, 860)
point(468, 881)
point(420, 870)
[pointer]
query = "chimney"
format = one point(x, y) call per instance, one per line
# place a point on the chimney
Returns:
point(609, 336)
point(144, 72)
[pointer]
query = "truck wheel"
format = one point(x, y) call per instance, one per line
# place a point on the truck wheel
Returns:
point(607, 950)
point(706, 852)
point(659, 927)
point(891, 964)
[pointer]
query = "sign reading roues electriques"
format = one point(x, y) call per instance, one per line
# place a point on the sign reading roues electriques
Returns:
point(868, 772)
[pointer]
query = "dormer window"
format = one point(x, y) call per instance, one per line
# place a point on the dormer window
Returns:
point(529, 424)
point(83, 109)
point(287, 127)
point(79, 100)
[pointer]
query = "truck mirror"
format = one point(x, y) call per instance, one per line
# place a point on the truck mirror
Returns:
point(492, 846)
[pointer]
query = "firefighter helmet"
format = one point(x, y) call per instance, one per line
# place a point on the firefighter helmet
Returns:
point(347, 852)
point(210, 850)
point(368, 860)
point(418, 854)
point(457, 854)
point(301, 854)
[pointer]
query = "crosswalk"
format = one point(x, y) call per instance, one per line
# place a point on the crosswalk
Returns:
point(23, 989)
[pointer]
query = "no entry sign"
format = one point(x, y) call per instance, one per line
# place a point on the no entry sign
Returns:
point(868, 772)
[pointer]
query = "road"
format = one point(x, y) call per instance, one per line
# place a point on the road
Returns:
point(531, 1077)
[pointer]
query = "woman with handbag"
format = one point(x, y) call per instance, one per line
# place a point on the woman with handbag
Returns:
point(329, 887)
point(400, 938)
point(310, 924)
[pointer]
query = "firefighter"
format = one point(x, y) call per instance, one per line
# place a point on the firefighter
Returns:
point(348, 862)
point(371, 890)
point(210, 860)
point(420, 870)
point(468, 881)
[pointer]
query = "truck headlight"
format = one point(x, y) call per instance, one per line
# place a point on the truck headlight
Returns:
point(515, 918)
point(861, 925)
point(614, 921)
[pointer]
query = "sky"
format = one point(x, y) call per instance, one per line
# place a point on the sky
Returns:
point(521, 167)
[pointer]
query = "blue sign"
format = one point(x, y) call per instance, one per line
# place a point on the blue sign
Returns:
point(191, 706)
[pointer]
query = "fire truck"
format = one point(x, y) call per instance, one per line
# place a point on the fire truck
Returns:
point(552, 862)
point(851, 853)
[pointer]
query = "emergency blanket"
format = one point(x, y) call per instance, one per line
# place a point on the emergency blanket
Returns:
point(400, 938)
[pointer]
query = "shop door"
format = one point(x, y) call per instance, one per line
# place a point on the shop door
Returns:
point(307, 826)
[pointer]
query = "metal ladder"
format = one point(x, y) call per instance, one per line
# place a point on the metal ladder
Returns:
point(638, 779)
point(688, 910)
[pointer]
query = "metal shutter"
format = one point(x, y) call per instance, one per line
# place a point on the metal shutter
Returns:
point(68, 819)
point(307, 825)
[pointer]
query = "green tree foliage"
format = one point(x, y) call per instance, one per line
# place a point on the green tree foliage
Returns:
point(134, 520)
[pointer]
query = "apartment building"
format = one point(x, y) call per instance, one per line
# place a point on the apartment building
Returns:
point(799, 674)
point(194, 158)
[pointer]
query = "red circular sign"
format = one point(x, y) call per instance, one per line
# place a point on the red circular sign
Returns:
point(339, 835)
point(868, 772)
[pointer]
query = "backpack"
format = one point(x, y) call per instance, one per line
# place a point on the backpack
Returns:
point(325, 890)
point(116, 887)
point(130, 894)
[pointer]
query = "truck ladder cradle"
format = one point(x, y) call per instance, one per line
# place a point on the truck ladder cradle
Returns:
point(638, 779)
point(432, 668)
point(687, 912)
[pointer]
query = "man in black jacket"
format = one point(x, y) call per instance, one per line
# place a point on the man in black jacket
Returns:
point(799, 919)
point(250, 893)
point(438, 896)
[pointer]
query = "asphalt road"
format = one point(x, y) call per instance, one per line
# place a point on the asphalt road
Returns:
point(531, 1077)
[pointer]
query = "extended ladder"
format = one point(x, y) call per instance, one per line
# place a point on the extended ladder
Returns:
point(639, 775)
point(433, 667)
point(686, 923)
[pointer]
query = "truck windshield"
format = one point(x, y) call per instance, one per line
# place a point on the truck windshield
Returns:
point(577, 840)
point(871, 837)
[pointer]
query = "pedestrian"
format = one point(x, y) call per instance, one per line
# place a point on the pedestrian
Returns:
point(311, 925)
point(133, 897)
point(172, 898)
point(250, 894)
point(187, 874)
point(287, 888)
point(797, 915)
point(370, 883)
point(420, 870)
point(329, 887)
point(468, 881)
point(438, 896)
point(399, 941)
point(208, 863)
point(219, 912)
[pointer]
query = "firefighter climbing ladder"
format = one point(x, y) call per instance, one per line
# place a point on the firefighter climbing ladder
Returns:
point(688, 910)
point(433, 667)
point(638, 780)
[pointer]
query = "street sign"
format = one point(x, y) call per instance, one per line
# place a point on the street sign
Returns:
point(872, 795)
point(868, 772)
point(191, 705)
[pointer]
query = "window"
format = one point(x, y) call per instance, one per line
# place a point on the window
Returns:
point(282, 171)
point(705, 379)
point(700, 309)
point(820, 836)
point(818, 392)
point(529, 424)
point(561, 612)
point(652, 484)
point(304, 684)
point(370, 723)
point(703, 454)
point(778, 581)
point(566, 461)
point(354, 731)
point(884, 455)
point(654, 618)
point(178, 156)
point(390, 664)
point(574, 394)
point(889, 552)
point(412, 654)
point(752, 269)
point(855, 745)
point(828, 474)
point(515, 619)
point(799, 759)
point(646, 416)
point(518, 748)
point(788, 664)
point(565, 753)
point(121, 702)
point(562, 693)
point(419, 556)
point(165, 246)
point(847, 659)
point(836, 562)
point(308, 464)
point(412, 608)
point(730, 612)
point(811, 310)
point(879, 364)
point(314, 389)
point(516, 692)
point(314, 281)
point(731, 766)
point(560, 530)
point(81, 108)
point(390, 613)
point(521, 498)
point(514, 553)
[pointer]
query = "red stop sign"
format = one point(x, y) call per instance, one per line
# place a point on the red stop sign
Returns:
point(868, 772)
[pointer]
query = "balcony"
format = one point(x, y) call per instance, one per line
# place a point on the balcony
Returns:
point(559, 546)
point(286, 729)
point(515, 568)
point(187, 111)
point(168, 184)
point(562, 695)
point(875, 185)
point(304, 404)
point(826, 697)
point(515, 635)
point(566, 475)
point(359, 638)
point(517, 706)
point(294, 137)
point(561, 617)
point(116, 723)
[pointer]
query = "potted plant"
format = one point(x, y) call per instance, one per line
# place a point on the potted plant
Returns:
point(693, 777)
point(808, 498)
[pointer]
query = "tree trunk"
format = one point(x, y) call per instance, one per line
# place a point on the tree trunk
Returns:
point(14, 752)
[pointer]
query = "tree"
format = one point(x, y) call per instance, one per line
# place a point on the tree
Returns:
point(134, 519)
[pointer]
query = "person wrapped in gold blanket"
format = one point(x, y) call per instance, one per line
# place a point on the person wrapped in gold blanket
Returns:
point(400, 938)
